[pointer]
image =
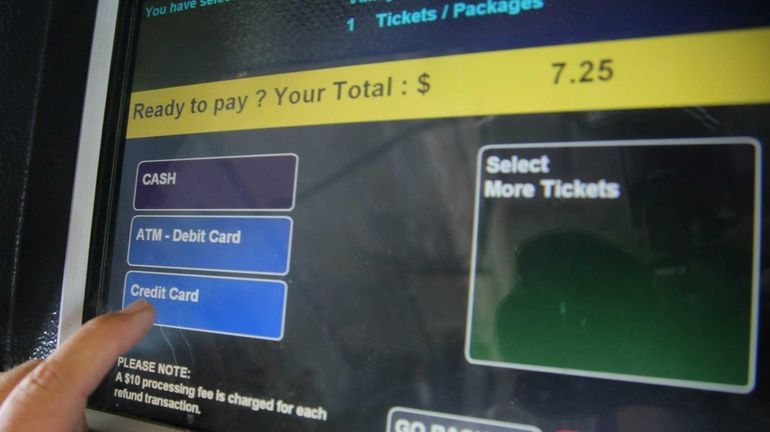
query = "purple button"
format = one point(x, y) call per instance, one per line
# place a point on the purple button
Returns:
point(254, 182)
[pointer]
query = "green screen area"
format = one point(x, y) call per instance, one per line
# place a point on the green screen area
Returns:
point(641, 268)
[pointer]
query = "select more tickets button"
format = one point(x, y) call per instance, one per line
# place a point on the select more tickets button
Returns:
point(238, 183)
point(253, 244)
point(241, 307)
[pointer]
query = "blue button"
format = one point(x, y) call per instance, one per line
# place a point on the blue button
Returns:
point(233, 306)
point(219, 243)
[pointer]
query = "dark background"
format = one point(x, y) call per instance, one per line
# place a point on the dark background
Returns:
point(44, 51)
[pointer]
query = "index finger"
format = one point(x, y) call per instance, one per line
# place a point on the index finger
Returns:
point(52, 397)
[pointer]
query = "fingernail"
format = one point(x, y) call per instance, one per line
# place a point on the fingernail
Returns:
point(136, 307)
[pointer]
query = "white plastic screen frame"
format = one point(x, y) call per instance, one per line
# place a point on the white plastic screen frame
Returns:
point(83, 197)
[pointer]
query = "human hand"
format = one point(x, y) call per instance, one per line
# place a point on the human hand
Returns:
point(51, 394)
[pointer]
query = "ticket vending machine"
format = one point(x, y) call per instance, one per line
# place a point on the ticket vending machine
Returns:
point(428, 216)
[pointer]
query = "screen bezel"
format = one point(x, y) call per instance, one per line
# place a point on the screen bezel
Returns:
point(98, 166)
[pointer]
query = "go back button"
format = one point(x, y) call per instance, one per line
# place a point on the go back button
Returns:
point(412, 420)
point(234, 306)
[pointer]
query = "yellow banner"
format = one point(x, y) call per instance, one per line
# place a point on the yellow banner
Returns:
point(719, 68)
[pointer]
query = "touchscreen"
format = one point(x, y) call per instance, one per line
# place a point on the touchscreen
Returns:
point(443, 216)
